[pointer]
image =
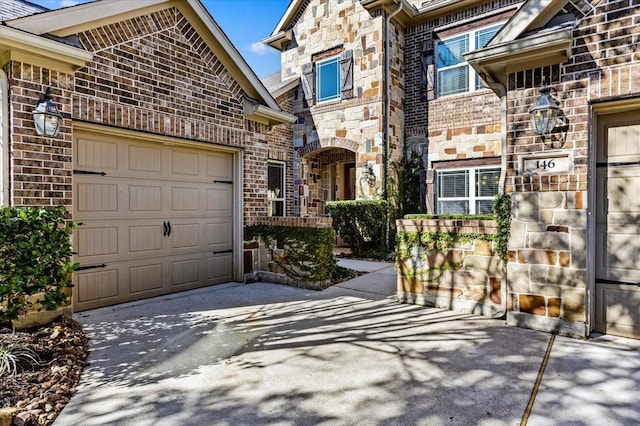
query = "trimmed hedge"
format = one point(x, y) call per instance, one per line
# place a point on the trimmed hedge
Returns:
point(362, 224)
point(35, 250)
point(307, 253)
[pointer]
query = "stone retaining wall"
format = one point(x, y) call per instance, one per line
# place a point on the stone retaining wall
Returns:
point(465, 276)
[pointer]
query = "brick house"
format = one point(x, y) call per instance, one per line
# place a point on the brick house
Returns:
point(372, 80)
point(163, 149)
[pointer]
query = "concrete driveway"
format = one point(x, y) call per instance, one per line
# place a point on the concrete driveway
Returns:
point(269, 354)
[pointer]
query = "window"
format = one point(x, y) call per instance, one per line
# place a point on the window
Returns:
point(276, 189)
point(454, 74)
point(467, 191)
point(328, 79)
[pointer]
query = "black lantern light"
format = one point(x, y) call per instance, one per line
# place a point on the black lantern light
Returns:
point(46, 117)
point(544, 112)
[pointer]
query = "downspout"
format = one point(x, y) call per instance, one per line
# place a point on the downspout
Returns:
point(4, 137)
point(501, 91)
point(387, 109)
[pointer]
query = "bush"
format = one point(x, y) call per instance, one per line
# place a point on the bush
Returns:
point(35, 250)
point(307, 253)
point(363, 225)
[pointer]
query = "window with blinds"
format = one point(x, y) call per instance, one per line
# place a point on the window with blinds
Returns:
point(467, 191)
point(276, 188)
point(454, 74)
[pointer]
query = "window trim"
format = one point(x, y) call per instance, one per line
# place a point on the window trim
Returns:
point(471, 197)
point(283, 196)
point(472, 75)
point(319, 66)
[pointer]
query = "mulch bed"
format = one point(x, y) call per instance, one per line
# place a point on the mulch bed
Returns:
point(40, 389)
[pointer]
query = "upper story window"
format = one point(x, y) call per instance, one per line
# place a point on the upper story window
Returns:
point(467, 191)
point(454, 73)
point(328, 79)
point(276, 188)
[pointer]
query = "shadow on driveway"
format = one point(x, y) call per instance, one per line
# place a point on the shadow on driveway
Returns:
point(270, 354)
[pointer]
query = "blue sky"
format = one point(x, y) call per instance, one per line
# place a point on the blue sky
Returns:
point(246, 23)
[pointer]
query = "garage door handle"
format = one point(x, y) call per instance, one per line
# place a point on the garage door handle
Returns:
point(223, 251)
point(168, 228)
point(230, 182)
point(164, 228)
point(84, 268)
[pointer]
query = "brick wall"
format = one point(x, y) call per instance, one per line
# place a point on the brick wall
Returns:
point(152, 74)
point(547, 268)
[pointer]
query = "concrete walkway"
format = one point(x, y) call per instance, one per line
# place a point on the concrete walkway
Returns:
point(269, 354)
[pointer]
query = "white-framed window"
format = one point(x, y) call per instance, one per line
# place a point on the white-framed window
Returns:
point(467, 191)
point(328, 79)
point(455, 75)
point(276, 188)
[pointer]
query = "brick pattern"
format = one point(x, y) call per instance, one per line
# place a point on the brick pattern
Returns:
point(40, 167)
point(547, 266)
point(153, 74)
point(280, 148)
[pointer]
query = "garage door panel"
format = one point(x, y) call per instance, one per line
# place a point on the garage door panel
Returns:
point(185, 163)
point(145, 238)
point(96, 154)
point(95, 286)
point(145, 278)
point(218, 234)
point(97, 197)
point(145, 198)
point(96, 240)
point(185, 199)
point(219, 268)
point(151, 221)
point(219, 200)
point(219, 166)
point(185, 235)
point(145, 158)
point(185, 272)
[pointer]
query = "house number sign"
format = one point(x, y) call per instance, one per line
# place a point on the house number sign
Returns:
point(545, 164)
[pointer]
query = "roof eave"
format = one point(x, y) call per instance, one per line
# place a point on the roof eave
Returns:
point(266, 115)
point(278, 40)
point(493, 63)
point(22, 46)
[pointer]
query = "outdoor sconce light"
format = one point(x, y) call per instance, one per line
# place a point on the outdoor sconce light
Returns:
point(46, 117)
point(369, 176)
point(544, 112)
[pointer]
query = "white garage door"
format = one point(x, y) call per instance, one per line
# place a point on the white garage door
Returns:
point(617, 227)
point(155, 219)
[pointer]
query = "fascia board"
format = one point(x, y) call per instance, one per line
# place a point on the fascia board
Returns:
point(20, 45)
point(284, 89)
point(276, 41)
point(533, 14)
point(72, 20)
point(266, 115)
point(229, 55)
point(289, 14)
point(496, 61)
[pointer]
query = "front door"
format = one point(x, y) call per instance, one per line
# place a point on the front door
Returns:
point(617, 288)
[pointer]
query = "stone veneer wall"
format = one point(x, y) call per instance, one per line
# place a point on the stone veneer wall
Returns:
point(548, 252)
point(465, 277)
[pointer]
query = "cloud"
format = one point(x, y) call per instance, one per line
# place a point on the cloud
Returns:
point(67, 3)
point(259, 48)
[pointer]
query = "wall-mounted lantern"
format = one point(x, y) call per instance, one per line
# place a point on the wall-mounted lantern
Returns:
point(544, 112)
point(369, 176)
point(46, 116)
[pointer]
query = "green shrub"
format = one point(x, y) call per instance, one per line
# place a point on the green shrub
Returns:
point(362, 224)
point(307, 253)
point(35, 250)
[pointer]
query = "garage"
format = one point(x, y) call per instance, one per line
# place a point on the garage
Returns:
point(155, 218)
point(617, 294)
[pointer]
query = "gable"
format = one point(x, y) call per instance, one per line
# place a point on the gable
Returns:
point(90, 17)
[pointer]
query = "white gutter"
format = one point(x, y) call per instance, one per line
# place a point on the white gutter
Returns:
point(4, 137)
